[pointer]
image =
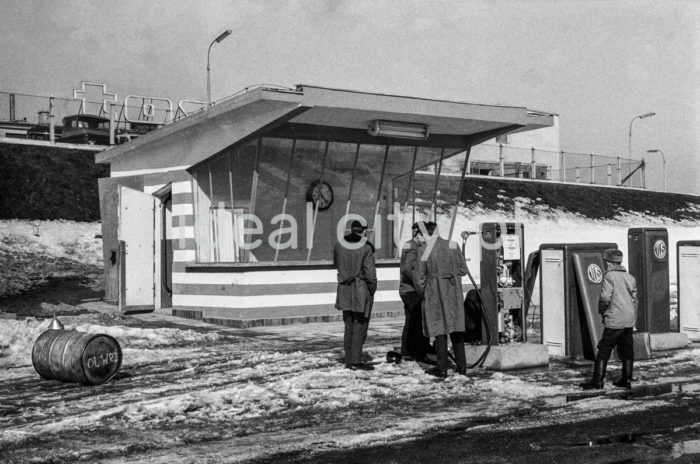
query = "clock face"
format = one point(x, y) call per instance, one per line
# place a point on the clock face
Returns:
point(321, 194)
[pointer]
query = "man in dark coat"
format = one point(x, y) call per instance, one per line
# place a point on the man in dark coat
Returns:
point(413, 343)
point(618, 306)
point(353, 256)
point(441, 266)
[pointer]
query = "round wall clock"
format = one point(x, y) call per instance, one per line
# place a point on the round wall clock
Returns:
point(320, 193)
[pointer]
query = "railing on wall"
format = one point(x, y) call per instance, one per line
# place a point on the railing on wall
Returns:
point(503, 160)
point(132, 114)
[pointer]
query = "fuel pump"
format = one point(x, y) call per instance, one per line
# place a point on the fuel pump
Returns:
point(502, 282)
point(500, 301)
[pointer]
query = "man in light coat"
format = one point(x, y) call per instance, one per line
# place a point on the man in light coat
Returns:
point(618, 306)
point(441, 266)
point(353, 256)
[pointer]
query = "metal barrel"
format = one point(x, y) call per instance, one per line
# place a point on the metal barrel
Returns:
point(72, 356)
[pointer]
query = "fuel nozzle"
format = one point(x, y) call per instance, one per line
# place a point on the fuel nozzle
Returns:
point(465, 234)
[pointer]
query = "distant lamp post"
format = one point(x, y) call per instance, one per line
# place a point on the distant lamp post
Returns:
point(663, 158)
point(629, 145)
point(221, 37)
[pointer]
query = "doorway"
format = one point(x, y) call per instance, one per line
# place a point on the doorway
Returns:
point(166, 251)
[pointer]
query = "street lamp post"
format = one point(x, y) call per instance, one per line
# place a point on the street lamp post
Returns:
point(629, 145)
point(663, 158)
point(221, 37)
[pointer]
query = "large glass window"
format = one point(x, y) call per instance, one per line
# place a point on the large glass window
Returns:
point(428, 192)
point(223, 194)
point(203, 214)
point(259, 202)
point(272, 196)
point(337, 174)
point(221, 210)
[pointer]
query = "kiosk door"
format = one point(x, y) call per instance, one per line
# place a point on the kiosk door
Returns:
point(136, 243)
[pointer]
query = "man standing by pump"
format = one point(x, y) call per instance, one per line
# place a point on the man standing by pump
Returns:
point(414, 345)
point(441, 266)
point(618, 306)
point(353, 256)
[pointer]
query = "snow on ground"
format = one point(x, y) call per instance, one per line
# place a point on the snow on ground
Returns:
point(34, 252)
point(57, 238)
point(17, 339)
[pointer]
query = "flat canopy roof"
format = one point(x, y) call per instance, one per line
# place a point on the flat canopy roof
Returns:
point(202, 135)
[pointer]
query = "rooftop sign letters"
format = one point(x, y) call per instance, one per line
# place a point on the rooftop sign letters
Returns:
point(136, 108)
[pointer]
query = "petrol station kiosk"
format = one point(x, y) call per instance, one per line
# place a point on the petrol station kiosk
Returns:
point(230, 215)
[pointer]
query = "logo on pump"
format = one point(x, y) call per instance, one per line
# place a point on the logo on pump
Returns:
point(660, 249)
point(595, 273)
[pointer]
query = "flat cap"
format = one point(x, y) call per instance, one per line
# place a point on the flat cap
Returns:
point(613, 256)
point(357, 226)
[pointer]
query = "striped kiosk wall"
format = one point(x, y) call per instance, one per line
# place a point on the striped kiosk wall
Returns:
point(268, 296)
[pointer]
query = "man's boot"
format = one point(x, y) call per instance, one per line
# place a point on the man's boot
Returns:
point(598, 376)
point(626, 378)
point(440, 370)
point(460, 358)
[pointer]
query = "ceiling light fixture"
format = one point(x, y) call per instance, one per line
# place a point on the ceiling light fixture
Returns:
point(404, 130)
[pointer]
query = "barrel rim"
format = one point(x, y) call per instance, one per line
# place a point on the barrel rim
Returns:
point(119, 361)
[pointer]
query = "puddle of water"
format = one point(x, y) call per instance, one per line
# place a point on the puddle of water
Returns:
point(685, 448)
point(648, 390)
point(476, 422)
point(561, 400)
point(634, 393)
point(622, 438)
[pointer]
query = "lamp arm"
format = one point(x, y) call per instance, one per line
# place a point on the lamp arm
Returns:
point(209, 52)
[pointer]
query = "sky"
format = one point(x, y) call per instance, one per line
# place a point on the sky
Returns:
point(597, 64)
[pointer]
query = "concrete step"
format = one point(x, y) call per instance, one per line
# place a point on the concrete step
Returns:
point(668, 341)
point(511, 356)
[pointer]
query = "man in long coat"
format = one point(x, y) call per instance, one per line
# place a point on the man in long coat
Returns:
point(353, 256)
point(441, 266)
point(413, 343)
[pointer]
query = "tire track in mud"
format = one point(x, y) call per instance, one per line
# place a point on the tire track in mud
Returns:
point(158, 380)
point(212, 367)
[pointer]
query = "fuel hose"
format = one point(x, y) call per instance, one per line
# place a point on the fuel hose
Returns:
point(487, 321)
